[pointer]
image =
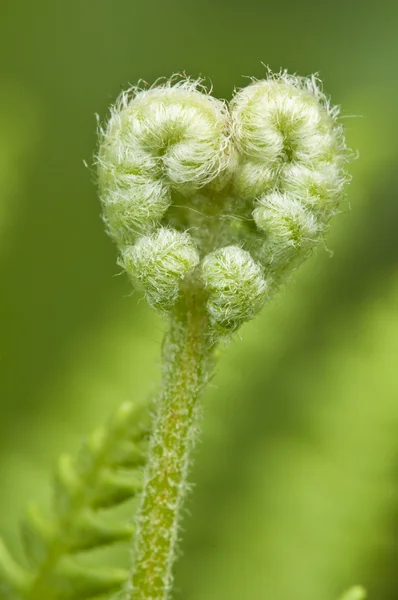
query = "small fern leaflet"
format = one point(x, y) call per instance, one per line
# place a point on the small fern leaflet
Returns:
point(88, 491)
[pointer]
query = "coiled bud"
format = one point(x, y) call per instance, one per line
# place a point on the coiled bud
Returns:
point(171, 138)
point(292, 151)
point(233, 197)
point(158, 262)
point(236, 286)
point(290, 229)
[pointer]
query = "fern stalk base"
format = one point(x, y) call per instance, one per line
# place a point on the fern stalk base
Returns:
point(187, 360)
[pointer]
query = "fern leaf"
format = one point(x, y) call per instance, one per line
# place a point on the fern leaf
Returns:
point(74, 582)
point(14, 579)
point(106, 473)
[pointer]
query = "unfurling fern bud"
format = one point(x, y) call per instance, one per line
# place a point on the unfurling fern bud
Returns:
point(236, 286)
point(292, 152)
point(211, 207)
point(290, 229)
point(166, 140)
point(230, 199)
point(158, 262)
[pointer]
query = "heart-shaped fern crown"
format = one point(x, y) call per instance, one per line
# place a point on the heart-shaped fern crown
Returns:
point(227, 198)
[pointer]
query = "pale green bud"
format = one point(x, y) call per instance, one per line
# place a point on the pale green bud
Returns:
point(292, 154)
point(253, 178)
point(284, 119)
point(264, 174)
point(291, 230)
point(236, 286)
point(158, 263)
point(319, 189)
point(168, 138)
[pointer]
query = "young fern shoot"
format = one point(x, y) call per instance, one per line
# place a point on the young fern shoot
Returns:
point(212, 206)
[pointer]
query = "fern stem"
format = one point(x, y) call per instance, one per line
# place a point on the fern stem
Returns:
point(187, 362)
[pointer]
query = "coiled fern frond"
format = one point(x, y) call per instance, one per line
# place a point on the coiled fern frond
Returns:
point(106, 473)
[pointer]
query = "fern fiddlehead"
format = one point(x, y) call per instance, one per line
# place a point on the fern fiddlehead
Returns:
point(107, 472)
point(211, 207)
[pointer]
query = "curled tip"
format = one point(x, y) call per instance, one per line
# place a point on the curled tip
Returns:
point(236, 287)
point(253, 178)
point(173, 137)
point(318, 189)
point(292, 155)
point(265, 173)
point(291, 230)
point(286, 121)
point(282, 119)
point(159, 262)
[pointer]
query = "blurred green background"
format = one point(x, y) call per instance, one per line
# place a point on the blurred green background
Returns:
point(297, 472)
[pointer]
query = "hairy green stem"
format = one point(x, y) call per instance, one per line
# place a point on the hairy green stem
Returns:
point(187, 355)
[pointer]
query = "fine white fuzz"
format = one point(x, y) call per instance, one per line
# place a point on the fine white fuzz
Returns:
point(159, 262)
point(284, 119)
point(211, 207)
point(253, 178)
point(264, 174)
point(236, 286)
point(292, 152)
point(318, 189)
point(290, 229)
point(169, 138)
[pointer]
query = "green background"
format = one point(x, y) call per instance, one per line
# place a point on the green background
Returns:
point(297, 472)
